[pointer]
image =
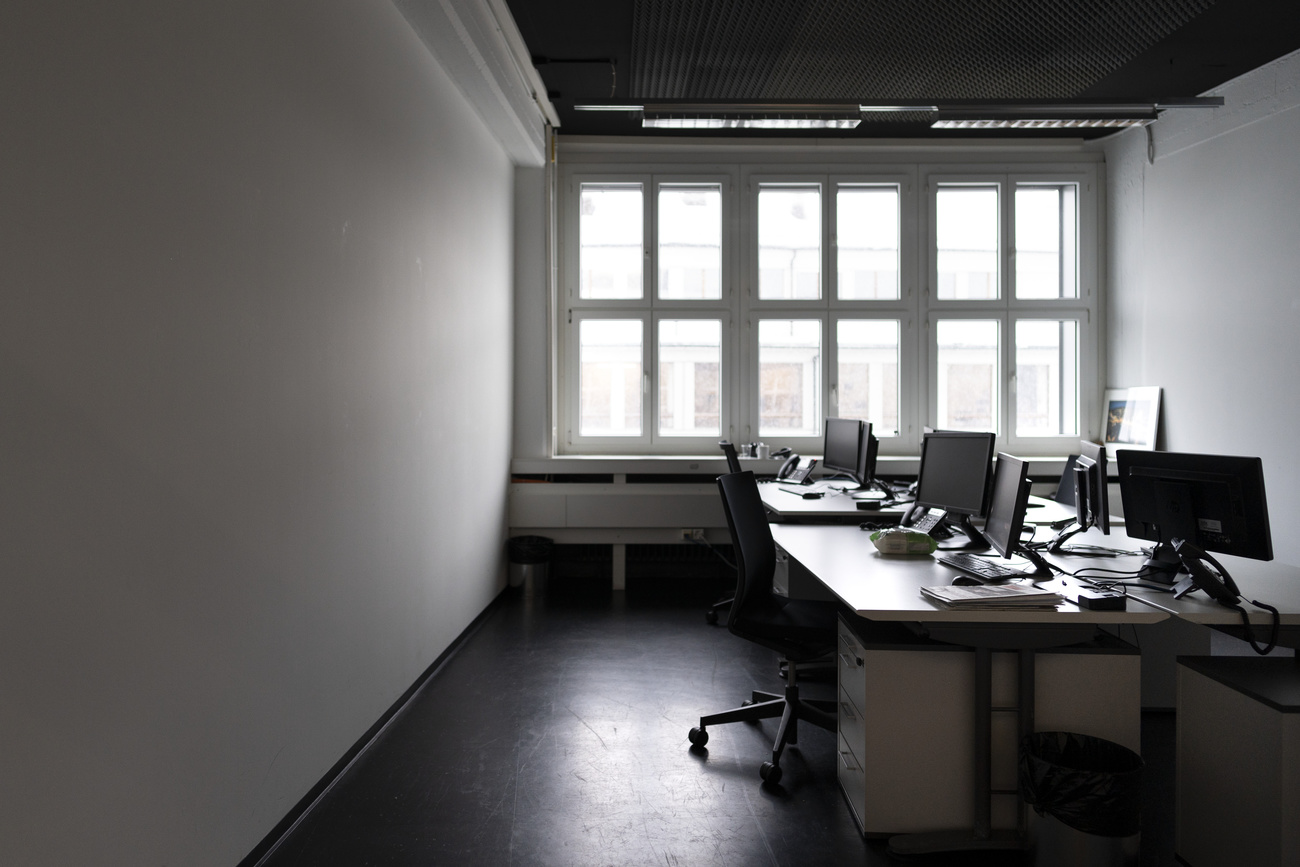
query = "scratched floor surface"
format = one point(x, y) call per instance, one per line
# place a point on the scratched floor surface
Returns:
point(557, 736)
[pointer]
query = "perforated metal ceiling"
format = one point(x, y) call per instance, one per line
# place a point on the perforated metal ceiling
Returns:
point(900, 51)
point(910, 49)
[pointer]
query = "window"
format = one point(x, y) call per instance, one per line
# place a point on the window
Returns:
point(734, 302)
point(789, 242)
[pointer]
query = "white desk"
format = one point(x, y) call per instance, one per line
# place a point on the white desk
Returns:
point(882, 588)
point(1277, 584)
point(889, 588)
point(837, 505)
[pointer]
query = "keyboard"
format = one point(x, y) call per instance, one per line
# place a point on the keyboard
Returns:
point(979, 567)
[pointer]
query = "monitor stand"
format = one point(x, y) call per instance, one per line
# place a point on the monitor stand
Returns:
point(1163, 565)
point(1041, 567)
point(975, 540)
point(1065, 534)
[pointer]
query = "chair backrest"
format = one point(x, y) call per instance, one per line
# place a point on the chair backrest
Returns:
point(751, 538)
point(733, 462)
point(1065, 490)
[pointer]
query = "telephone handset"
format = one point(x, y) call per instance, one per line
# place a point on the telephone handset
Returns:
point(791, 471)
point(1217, 584)
point(1220, 587)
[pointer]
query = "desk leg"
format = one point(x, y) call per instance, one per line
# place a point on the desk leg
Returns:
point(981, 837)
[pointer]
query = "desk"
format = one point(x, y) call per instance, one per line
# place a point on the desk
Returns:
point(888, 589)
point(837, 506)
point(1278, 584)
point(1238, 718)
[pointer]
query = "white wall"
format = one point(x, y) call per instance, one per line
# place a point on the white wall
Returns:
point(255, 290)
point(1204, 278)
point(532, 435)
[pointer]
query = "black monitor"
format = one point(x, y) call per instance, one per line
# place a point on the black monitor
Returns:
point(1091, 493)
point(1216, 502)
point(1007, 506)
point(954, 476)
point(866, 472)
point(1091, 498)
point(842, 446)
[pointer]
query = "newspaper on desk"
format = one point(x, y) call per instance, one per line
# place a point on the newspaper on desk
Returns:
point(993, 597)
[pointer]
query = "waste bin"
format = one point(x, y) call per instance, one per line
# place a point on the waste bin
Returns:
point(530, 558)
point(1088, 792)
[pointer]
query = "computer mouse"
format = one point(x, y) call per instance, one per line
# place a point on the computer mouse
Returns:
point(966, 581)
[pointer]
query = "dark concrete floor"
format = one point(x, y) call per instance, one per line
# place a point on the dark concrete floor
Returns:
point(557, 736)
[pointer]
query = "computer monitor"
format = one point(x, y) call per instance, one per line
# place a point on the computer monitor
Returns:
point(1007, 506)
point(1091, 499)
point(1091, 487)
point(954, 476)
point(866, 471)
point(842, 446)
point(1216, 502)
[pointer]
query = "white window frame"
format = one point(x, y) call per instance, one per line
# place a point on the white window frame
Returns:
point(739, 308)
point(1008, 309)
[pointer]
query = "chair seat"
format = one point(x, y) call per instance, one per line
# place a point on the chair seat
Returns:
point(801, 629)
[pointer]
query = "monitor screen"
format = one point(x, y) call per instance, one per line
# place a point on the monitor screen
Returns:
point(1216, 502)
point(955, 468)
point(1092, 498)
point(866, 470)
point(843, 442)
point(1007, 504)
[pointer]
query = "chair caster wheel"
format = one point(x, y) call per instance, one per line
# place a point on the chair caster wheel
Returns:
point(711, 617)
point(698, 737)
point(770, 773)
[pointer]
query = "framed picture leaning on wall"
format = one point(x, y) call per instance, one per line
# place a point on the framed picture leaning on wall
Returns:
point(1130, 417)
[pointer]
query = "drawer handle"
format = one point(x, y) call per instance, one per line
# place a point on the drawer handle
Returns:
point(855, 661)
point(847, 758)
point(846, 709)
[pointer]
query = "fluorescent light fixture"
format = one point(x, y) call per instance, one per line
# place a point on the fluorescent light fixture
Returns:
point(870, 109)
point(655, 121)
point(968, 115)
point(1042, 123)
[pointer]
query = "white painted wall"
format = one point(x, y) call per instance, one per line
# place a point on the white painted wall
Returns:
point(1204, 278)
point(255, 289)
point(532, 438)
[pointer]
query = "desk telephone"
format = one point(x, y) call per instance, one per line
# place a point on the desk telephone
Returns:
point(791, 471)
point(1220, 587)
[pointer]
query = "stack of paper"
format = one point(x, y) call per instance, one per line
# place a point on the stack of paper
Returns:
point(993, 597)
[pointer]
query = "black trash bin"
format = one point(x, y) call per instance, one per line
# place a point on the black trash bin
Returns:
point(530, 558)
point(1088, 792)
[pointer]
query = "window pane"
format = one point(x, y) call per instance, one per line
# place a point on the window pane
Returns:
point(789, 242)
point(609, 360)
point(1047, 378)
point(789, 374)
point(968, 374)
point(690, 356)
point(967, 234)
point(867, 350)
point(1046, 242)
point(867, 242)
point(609, 239)
point(690, 242)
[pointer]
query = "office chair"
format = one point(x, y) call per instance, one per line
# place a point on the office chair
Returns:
point(801, 630)
point(733, 466)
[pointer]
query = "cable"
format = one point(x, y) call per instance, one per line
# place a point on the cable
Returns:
point(1250, 632)
point(716, 553)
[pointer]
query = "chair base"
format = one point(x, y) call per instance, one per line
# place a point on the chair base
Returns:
point(711, 616)
point(766, 705)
